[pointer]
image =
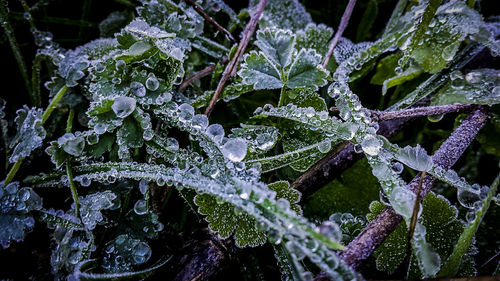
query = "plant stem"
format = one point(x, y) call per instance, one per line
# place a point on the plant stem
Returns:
point(72, 185)
point(69, 173)
point(202, 73)
point(413, 222)
point(9, 31)
point(209, 19)
point(53, 103)
point(231, 67)
point(13, 171)
point(343, 24)
point(420, 111)
point(446, 156)
point(69, 124)
point(45, 116)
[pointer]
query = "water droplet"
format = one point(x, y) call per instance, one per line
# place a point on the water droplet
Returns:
point(186, 112)
point(152, 82)
point(140, 207)
point(215, 132)
point(371, 145)
point(199, 122)
point(138, 89)
point(123, 106)
point(235, 149)
point(467, 198)
point(143, 186)
point(435, 118)
point(325, 146)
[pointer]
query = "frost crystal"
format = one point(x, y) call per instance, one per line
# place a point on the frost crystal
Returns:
point(123, 106)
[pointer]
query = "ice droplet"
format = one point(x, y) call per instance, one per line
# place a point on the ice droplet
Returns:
point(123, 106)
point(138, 89)
point(152, 82)
point(143, 186)
point(215, 132)
point(200, 122)
point(140, 207)
point(235, 149)
point(371, 145)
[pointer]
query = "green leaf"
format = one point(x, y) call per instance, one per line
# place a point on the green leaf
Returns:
point(261, 138)
point(443, 229)
point(452, 264)
point(81, 273)
point(367, 21)
point(30, 133)
point(223, 219)
point(277, 45)
point(283, 190)
point(480, 86)
point(314, 36)
point(260, 71)
point(284, 14)
point(306, 71)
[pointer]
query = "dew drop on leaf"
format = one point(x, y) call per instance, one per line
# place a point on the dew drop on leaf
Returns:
point(123, 106)
point(138, 89)
point(235, 149)
point(140, 207)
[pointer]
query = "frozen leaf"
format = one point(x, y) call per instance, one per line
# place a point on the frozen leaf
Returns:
point(92, 205)
point(314, 36)
point(466, 239)
point(260, 72)
point(480, 86)
point(224, 219)
point(442, 232)
point(415, 158)
point(277, 45)
point(123, 252)
point(285, 14)
point(30, 133)
point(283, 190)
point(261, 138)
point(15, 206)
point(306, 71)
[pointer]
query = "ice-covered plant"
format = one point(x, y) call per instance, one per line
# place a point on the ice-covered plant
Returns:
point(137, 157)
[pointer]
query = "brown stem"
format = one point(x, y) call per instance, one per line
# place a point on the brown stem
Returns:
point(420, 111)
point(446, 156)
point(208, 18)
point(343, 24)
point(413, 222)
point(198, 75)
point(231, 67)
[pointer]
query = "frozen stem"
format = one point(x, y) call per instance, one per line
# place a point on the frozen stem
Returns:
point(446, 156)
point(343, 24)
point(231, 67)
point(209, 19)
point(420, 111)
point(200, 74)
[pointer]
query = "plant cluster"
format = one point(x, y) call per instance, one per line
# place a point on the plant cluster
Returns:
point(134, 131)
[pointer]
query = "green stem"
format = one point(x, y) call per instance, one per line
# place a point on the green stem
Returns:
point(69, 124)
point(69, 172)
point(45, 116)
point(72, 185)
point(9, 31)
point(13, 172)
point(53, 103)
